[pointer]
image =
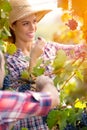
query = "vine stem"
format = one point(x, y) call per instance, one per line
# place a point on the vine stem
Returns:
point(71, 76)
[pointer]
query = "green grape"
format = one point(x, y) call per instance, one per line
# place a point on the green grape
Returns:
point(11, 48)
point(25, 74)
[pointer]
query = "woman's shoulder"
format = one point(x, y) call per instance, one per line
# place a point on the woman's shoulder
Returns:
point(10, 58)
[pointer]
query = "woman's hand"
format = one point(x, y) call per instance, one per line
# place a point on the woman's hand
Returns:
point(2, 69)
point(38, 48)
point(45, 84)
point(36, 52)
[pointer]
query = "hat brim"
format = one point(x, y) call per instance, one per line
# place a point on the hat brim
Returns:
point(39, 14)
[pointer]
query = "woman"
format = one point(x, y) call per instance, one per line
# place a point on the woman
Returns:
point(23, 23)
point(40, 103)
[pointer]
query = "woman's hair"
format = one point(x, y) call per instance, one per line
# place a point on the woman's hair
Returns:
point(12, 37)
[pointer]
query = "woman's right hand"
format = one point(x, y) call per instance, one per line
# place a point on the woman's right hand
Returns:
point(45, 84)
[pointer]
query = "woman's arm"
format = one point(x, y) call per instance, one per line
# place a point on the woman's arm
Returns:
point(72, 51)
point(15, 106)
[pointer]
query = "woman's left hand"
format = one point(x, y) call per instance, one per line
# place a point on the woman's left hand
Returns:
point(38, 48)
point(36, 52)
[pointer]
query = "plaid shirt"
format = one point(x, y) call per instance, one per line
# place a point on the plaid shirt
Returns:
point(15, 106)
point(17, 62)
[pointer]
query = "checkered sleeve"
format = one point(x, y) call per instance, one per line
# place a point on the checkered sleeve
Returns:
point(15, 106)
point(44, 101)
point(72, 50)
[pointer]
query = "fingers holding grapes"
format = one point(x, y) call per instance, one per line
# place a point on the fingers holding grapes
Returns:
point(38, 48)
point(45, 84)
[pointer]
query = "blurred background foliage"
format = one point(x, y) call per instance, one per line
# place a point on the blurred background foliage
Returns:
point(66, 23)
point(4, 26)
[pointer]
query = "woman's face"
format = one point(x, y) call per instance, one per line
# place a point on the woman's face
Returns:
point(25, 28)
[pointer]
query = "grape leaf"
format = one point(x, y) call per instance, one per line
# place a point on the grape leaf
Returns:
point(25, 74)
point(59, 59)
point(52, 118)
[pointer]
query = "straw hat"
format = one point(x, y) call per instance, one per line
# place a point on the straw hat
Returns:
point(22, 8)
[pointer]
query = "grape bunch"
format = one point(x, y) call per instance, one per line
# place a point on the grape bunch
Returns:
point(70, 127)
point(24, 87)
point(6, 82)
point(80, 124)
point(84, 119)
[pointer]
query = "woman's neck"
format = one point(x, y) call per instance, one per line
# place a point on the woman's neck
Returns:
point(25, 47)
